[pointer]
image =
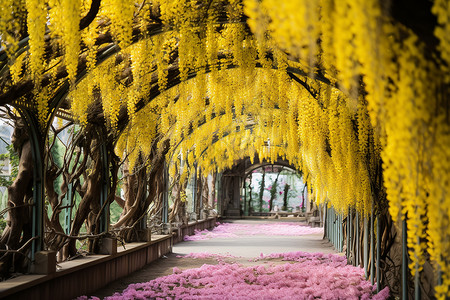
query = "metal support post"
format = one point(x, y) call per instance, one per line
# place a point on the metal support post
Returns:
point(338, 232)
point(357, 239)
point(417, 293)
point(245, 199)
point(366, 245)
point(327, 224)
point(194, 190)
point(219, 195)
point(404, 261)
point(165, 206)
point(336, 237)
point(330, 231)
point(341, 235)
point(351, 253)
point(199, 206)
point(67, 202)
point(439, 281)
point(372, 250)
point(334, 229)
point(104, 220)
point(37, 149)
point(379, 253)
point(331, 226)
point(335, 223)
point(347, 250)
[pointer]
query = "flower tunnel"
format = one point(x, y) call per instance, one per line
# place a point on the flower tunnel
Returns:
point(163, 97)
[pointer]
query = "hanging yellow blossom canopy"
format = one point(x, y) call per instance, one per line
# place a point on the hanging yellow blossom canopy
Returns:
point(334, 87)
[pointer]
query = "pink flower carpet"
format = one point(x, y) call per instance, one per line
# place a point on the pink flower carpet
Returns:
point(301, 276)
point(230, 230)
point(290, 275)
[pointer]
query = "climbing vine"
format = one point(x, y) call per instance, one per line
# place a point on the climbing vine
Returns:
point(333, 87)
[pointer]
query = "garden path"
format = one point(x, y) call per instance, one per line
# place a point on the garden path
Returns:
point(244, 259)
point(255, 238)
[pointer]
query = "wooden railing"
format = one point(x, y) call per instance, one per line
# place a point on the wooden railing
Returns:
point(85, 275)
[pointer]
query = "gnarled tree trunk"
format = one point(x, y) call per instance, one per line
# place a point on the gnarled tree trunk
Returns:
point(178, 209)
point(20, 199)
point(142, 188)
point(89, 207)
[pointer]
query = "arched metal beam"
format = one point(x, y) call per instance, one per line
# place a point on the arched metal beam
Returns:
point(37, 141)
point(39, 133)
point(262, 164)
point(108, 51)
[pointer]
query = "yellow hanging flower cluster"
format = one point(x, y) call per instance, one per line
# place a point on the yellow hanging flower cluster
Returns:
point(121, 13)
point(71, 35)
point(438, 229)
point(329, 86)
point(89, 37)
point(11, 12)
point(441, 9)
point(361, 50)
point(132, 142)
point(36, 30)
point(16, 68)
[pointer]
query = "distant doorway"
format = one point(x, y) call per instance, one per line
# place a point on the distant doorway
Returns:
point(273, 188)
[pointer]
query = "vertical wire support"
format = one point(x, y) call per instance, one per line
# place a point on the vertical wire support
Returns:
point(417, 293)
point(67, 202)
point(332, 227)
point(404, 261)
point(351, 253)
point(328, 223)
point(245, 198)
point(194, 191)
point(379, 253)
point(37, 149)
point(341, 229)
point(165, 208)
point(218, 204)
point(357, 239)
point(439, 280)
point(104, 220)
point(199, 206)
point(338, 221)
point(366, 245)
point(347, 250)
point(372, 250)
point(327, 216)
point(336, 232)
point(335, 229)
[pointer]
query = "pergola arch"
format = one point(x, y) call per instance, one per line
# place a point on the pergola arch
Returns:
point(265, 164)
point(106, 52)
point(39, 132)
point(102, 55)
point(233, 180)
